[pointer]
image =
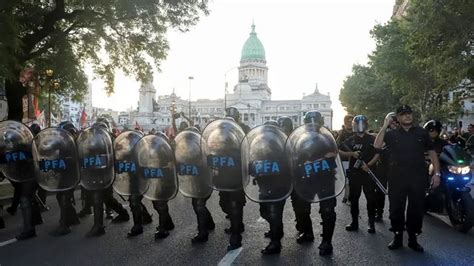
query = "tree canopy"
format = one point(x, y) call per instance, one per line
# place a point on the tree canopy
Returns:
point(65, 35)
point(419, 59)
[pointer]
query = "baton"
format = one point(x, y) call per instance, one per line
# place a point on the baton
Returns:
point(373, 176)
point(360, 162)
point(43, 205)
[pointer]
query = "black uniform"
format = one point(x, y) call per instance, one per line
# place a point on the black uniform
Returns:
point(407, 178)
point(359, 179)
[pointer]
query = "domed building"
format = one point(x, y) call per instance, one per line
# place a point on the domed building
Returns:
point(251, 96)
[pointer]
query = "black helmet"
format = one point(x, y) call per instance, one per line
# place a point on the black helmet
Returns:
point(271, 122)
point(69, 126)
point(286, 124)
point(193, 129)
point(433, 125)
point(105, 121)
point(314, 117)
point(183, 125)
point(102, 125)
point(360, 124)
point(35, 128)
point(232, 112)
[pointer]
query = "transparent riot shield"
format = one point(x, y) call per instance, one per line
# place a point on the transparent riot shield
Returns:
point(266, 174)
point(193, 175)
point(127, 182)
point(16, 161)
point(220, 144)
point(315, 163)
point(55, 160)
point(96, 158)
point(155, 160)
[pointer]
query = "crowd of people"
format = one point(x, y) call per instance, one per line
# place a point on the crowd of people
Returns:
point(396, 156)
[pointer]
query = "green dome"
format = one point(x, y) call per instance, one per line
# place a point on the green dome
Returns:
point(253, 48)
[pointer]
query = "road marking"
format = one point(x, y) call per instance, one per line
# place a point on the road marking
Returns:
point(443, 218)
point(8, 242)
point(230, 257)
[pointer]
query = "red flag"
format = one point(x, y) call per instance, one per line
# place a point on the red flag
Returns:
point(83, 119)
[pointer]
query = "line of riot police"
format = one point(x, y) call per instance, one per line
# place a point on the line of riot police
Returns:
point(267, 164)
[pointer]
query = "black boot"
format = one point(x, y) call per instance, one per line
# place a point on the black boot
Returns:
point(136, 208)
point(161, 233)
point(28, 227)
point(121, 218)
point(273, 248)
point(235, 242)
point(354, 226)
point(2, 223)
point(325, 248)
point(413, 243)
point(136, 230)
point(98, 228)
point(371, 227)
point(305, 237)
point(63, 228)
point(328, 223)
point(200, 237)
point(397, 241)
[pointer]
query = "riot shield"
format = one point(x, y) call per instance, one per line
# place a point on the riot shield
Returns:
point(16, 161)
point(96, 158)
point(127, 182)
point(220, 144)
point(155, 161)
point(266, 174)
point(315, 163)
point(55, 160)
point(193, 175)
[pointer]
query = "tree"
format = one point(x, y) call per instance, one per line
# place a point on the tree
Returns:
point(365, 93)
point(441, 39)
point(65, 35)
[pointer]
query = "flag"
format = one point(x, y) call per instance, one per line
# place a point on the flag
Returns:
point(137, 126)
point(83, 120)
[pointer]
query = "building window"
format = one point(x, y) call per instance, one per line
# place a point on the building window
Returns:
point(323, 105)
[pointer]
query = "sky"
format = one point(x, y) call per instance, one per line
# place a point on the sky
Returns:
point(306, 43)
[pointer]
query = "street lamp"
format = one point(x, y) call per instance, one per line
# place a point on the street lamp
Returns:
point(190, 78)
point(226, 84)
point(49, 74)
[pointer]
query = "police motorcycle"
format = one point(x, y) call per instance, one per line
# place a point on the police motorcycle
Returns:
point(454, 196)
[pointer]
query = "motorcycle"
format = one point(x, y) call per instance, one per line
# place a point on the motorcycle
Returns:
point(453, 196)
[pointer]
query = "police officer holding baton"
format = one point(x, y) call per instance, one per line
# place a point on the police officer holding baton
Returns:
point(408, 174)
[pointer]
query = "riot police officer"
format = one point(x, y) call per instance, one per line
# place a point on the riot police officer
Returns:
point(196, 181)
point(233, 202)
point(408, 175)
point(105, 196)
point(29, 207)
point(360, 147)
point(302, 208)
point(272, 212)
point(68, 215)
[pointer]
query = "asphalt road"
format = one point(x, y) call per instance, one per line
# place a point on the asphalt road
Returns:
point(443, 245)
